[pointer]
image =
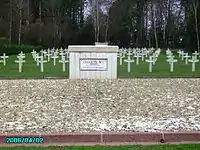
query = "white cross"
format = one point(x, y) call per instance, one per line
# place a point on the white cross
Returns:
point(21, 54)
point(195, 54)
point(168, 52)
point(48, 51)
point(142, 55)
point(62, 54)
point(20, 61)
point(37, 59)
point(193, 61)
point(120, 58)
point(34, 54)
point(63, 61)
point(182, 55)
point(179, 53)
point(54, 58)
point(170, 57)
point(61, 49)
point(52, 51)
point(42, 61)
point(171, 62)
point(154, 58)
point(137, 58)
point(129, 53)
point(67, 53)
point(4, 58)
point(129, 61)
point(150, 61)
point(44, 53)
point(186, 58)
point(48, 56)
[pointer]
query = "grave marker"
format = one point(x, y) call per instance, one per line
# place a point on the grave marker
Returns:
point(182, 55)
point(195, 54)
point(4, 58)
point(194, 60)
point(48, 56)
point(37, 59)
point(150, 61)
point(63, 61)
point(137, 58)
point(34, 55)
point(171, 62)
point(186, 58)
point(42, 61)
point(129, 61)
point(54, 58)
point(44, 53)
point(121, 56)
point(20, 61)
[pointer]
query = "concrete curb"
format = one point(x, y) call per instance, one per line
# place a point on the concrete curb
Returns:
point(120, 78)
point(101, 138)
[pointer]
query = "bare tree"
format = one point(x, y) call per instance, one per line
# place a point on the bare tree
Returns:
point(108, 5)
point(28, 12)
point(195, 4)
point(96, 4)
point(20, 21)
point(154, 21)
point(98, 24)
point(40, 14)
point(11, 21)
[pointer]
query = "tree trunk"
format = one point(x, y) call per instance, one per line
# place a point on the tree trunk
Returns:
point(106, 31)
point(98, 25)
point(94, 20)
point(53, 23)
point(154, 23)
point(195, 6)
point(20, 22)
point(11, 20)
point(146, 24)
point(140, 23)
point(28, 20)
point(40, 14)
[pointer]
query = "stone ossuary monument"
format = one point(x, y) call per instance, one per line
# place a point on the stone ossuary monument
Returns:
point(93, 62)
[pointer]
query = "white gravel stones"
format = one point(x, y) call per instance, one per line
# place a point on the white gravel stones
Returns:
point(99, 105)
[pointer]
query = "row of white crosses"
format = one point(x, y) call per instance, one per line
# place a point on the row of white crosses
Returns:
point(50, 54)
point(193, 60)
point(136, 53)
point(130, 52)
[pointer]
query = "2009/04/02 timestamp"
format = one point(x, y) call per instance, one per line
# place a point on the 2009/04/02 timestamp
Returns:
point(27, 140)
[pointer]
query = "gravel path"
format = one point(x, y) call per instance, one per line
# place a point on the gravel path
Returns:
point(99, 105)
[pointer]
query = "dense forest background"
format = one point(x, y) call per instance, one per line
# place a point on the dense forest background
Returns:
point(127, 23)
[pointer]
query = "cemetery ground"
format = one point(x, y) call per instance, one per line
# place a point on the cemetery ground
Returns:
point(160, 69)
point(155, 147)
point(30, 69)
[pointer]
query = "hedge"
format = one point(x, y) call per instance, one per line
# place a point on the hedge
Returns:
point(4, 40)
point(12, 49)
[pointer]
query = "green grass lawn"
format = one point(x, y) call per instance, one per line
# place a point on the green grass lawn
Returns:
point(30, 69)
point(161, 69)
point(157, 147)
